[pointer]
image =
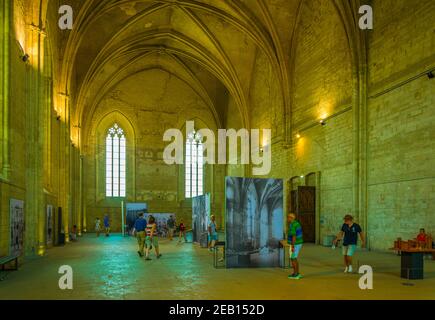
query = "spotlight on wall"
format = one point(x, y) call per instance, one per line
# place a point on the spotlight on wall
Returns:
point(298, 136)
point(25, 57)
point(302, 177)
point(323, 122)
point(430, 75)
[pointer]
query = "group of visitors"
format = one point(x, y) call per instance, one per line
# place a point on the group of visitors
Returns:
point(348, 234)
point(106, 222)
point(146, 234)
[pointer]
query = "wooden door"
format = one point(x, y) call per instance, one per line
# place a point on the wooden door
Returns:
point(306, 212)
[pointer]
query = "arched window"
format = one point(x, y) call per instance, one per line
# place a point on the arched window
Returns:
point(194, 165)
point(115, 162)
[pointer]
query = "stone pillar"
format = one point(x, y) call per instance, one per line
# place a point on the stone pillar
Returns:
point(35, 133)
point(64, 169)
point(80, 197)
point(5, 39)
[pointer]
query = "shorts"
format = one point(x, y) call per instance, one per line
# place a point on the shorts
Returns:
point(152, 242)
point(349, 250)
point(213, 237)
point(295, 254)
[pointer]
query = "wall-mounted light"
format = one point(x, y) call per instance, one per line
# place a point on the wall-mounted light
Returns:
point(302, 177)
point(323, 122)
point(430, 75)
point(298, 136)
point(25, 57)
point(261, 150)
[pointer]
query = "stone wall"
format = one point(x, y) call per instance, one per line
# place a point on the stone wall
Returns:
point(145, 105)
point(401, 146)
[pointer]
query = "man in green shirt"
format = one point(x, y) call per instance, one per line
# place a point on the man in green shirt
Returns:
point(295, 240)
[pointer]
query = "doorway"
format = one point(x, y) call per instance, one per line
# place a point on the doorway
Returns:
point(303, 204)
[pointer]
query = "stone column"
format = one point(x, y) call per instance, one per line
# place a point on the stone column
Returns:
point(35, 133)
point(5, 89)
point(64, 169)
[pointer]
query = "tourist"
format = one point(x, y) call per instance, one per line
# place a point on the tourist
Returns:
point(151, 238)
point(139, 231)
point(421, 238)
point(295, 241)
point(74, 233)
point(98, 226)
point(349, 233)
point(171, 227)
point(212, 233)
point(182, 232)
point(106, 224)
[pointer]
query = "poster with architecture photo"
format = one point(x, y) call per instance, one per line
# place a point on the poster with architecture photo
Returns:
point(200, 218)
point(17, 227)
point(254, 222)
point(132, 213)
point(50, 225)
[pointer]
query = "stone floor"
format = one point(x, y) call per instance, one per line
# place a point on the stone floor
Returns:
point(109, 268)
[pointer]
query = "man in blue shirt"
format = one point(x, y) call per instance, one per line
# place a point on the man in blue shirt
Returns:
point(349, 233)
point(139, 231)
point(106, 222)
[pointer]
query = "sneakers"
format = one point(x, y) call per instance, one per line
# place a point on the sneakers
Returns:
point(295, 276)
point(140, 254)
point(348, 269)
point(147, 258)
point(158, 257)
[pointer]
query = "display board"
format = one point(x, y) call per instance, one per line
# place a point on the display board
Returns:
point(16, 209)
point(200, 218)
point(254, 222)
point(50, 225)
point(133, 209)
point(162, 222)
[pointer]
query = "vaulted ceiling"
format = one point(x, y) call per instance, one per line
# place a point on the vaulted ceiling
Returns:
point(210, 45)
point(214, 46)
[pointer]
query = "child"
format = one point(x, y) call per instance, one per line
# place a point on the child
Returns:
point(98, 226)
point(421, 236)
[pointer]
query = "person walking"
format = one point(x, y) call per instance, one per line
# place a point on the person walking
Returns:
point(349, 233)
point(139, 231)
point(98, 226)
point(182, 232)
point(212, 233)
point(171, 227)
point(295, 241)
point(106, 222)
point(151, 238)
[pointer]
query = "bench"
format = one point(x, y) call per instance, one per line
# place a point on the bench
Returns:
point(6, 260)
